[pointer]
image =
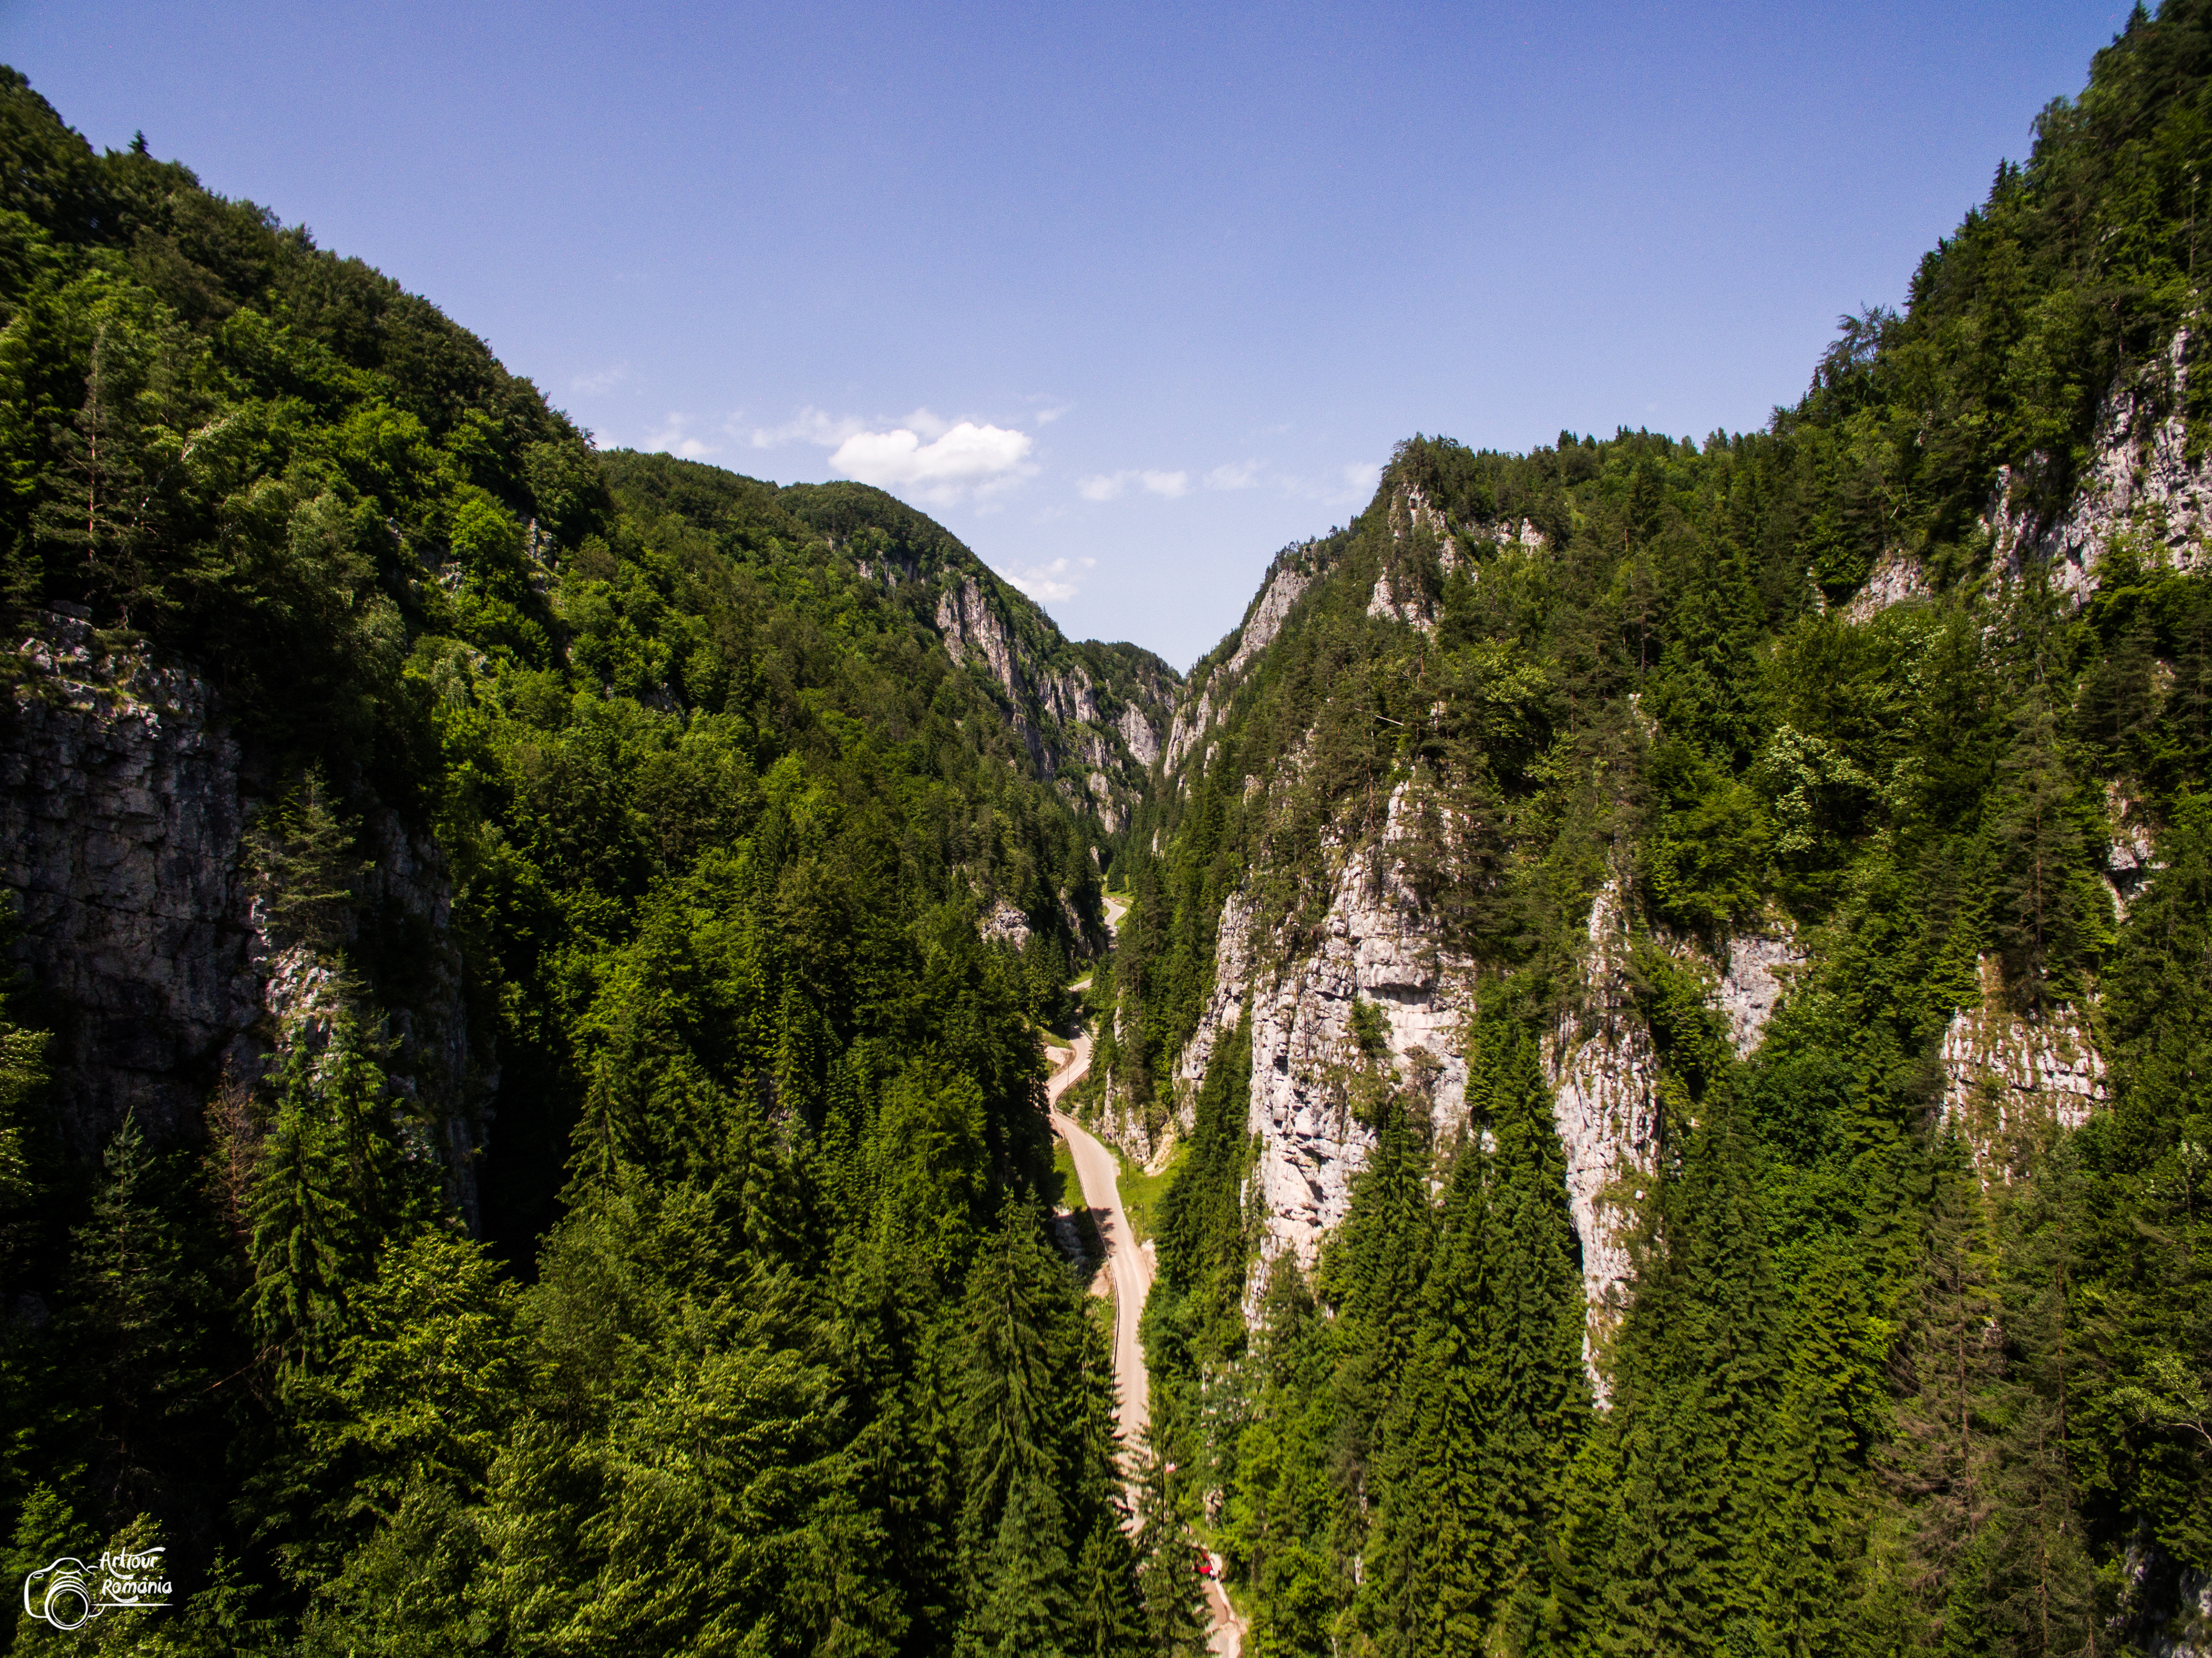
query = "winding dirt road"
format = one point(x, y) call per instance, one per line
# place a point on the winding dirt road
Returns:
point(1130, 1266)
point(1132, 1271)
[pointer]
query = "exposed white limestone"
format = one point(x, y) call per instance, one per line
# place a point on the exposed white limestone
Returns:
point(1137, 733)
point(1005, 925)
point(1603, 1068)
point(2005, 1071)
point(2140, 485)
point(1286, 586)
point(2134, 856)
point(1897, 577)
point(1377, 945)
point(1191, 721)
point(1759, 962)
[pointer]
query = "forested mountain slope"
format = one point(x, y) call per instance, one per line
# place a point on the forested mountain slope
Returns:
point(1674, 979)
point(1091, 715)
point(513, 1136)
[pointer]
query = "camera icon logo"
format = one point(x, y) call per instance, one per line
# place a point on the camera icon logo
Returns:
point(61, 1595)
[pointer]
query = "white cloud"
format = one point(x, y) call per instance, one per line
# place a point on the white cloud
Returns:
point(1112, 486)
point(958, 460)
point(1241, 475)
point(1361, 477)
point(674, 438)
point(1048, 584)
point(605, 381)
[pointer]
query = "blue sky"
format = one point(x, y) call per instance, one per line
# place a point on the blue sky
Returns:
point(1128, 296)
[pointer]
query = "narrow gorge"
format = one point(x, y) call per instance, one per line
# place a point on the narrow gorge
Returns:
point(1633, 1037)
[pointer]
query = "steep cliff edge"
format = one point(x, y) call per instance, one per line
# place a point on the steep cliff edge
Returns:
point(126, 804)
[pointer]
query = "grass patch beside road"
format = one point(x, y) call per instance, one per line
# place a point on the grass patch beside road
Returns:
point(1069, 1195)
point(1071, 1199)
point(1142, 1194)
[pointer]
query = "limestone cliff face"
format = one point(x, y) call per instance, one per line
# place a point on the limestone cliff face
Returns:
point(1603, 1072)
point(1094, 725)
point(1377, 945)
point(1761, 960)
point(124, 803)
point(2140, 485)
point(1380, 944)
point(1405, 590)
point(1423, 552)
point(1896, 579)
point(2005, 1071)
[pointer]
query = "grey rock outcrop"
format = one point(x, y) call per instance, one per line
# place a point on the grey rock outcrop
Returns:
point(1897, 579)
point(1379, 944)
point(1294, 571)
point(120, 824)
point(1603, 1072)
point(2140, 485)
point(1416, 525)
point(125, 805)
point(1760, 960)
point(2132, 858)
point(1376, 945)
point(2006, 1071)
point(1005, 925)
point(1096, 735)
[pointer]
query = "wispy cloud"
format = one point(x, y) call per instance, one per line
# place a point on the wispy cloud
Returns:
point(819, 426)
point(676, 441)
point(1112, 486)
point(1238, 474)
point(1048, 584)
point(605, 381)
point(1350, 485)
point(808, 426)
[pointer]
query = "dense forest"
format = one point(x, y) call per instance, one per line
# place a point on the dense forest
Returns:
point(713, 1304)
point(1901, 1368)
point(758, 1342)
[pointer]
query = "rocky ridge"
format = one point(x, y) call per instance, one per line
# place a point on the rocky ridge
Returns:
point(1206, 699)
point(1095, 727)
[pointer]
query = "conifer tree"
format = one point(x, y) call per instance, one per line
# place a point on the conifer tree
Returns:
point(143, 1307)
point(2051, 919)
point(1174, 1605)
point(1946, 1370)
point(336, 1177)
point(1701, 1378)
point(1016, 1550)
point(1498, 1407)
